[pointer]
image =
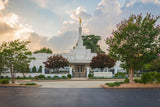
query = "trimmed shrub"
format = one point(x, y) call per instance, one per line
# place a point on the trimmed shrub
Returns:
point(31, 83)
point(6, 77)
point(41, 76)
point(4, 81)
point(56, 77)
point(90, 75)
point(63, 77)
point(69, 76)
point(114, 84)
point(49, 77)
point(2, 77)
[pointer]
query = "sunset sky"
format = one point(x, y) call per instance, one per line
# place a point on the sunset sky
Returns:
point(54, 23)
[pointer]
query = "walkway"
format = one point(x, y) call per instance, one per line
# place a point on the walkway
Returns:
point(72, 84)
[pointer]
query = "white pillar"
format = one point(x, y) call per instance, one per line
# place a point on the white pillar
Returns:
point(87, 71)
point(70, 71)
point(107, 69)
point(43, 69)
point(115, 70)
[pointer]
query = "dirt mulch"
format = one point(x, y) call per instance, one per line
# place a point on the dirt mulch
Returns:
point(134, 85)
point(18, 85)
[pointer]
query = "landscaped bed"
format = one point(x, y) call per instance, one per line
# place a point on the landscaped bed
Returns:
point(134, 85)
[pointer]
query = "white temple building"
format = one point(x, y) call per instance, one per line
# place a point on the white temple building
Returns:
point(79, 59)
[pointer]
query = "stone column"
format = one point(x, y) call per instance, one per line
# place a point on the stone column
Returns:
point(43, 69)
point(88, 71)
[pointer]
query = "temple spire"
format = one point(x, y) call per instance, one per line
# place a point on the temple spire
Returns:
point(80, 41)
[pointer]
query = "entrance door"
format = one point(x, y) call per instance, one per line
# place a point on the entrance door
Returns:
point(80, 68)
point(79, 71)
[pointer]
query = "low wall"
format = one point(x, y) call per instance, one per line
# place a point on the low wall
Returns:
point(32, 74)
point(103, 74)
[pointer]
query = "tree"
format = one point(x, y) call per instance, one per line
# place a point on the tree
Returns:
point(2, 65)
point(102, 61)
point(56, 62)
point(15, 55)
point(34, 69)
point(44, 50)
point(135, 42)
point(40, 69)
point(91, 42)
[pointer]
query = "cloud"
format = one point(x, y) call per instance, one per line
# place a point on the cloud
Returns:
point(2, 4)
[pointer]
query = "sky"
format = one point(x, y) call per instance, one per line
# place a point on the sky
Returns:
point(54, 23)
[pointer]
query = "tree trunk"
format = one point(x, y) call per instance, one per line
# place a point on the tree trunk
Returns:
point(131, 73)
point(12, 75)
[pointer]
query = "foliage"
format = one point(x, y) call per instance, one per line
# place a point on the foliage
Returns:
point(44, 50)
point(102, 61)
point(90, 75)
point(40, 69)
point(150, 77)
point(135, 42)
point(64, 77)
point(69, 76)
point(56, 62)
point(41, 76)
point(31, 83)
point(119, 75)
point(155, 65)
point(34, 69)
point(56, 77)
point(137, 81)
point(126, 80)
point(49, 77)
point(91, 42)
point(114, 84)
point(4, 81)
point(16, 56)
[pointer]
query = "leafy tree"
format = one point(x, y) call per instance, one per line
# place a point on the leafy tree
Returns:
point(40, 69)
point(14, 54)
point(2, 65)
point(44, 50)
point(135, 42)
point(102, 61)
point(91, 42)
point(56, 62)
point(34, 69)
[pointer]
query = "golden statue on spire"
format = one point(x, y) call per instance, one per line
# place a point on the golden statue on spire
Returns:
point(80, 21)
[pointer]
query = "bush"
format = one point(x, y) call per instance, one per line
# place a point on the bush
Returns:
point(49, 77)
point(4, 81)
point(126, 80)
point(56, 77)
point(36, 77)
point(150, 77)
point(137, 81)
point(158, 77)
point(6, 77)
point(2, 77)
point(90, 75)
point(63, 77)
point(31, 83)
point(41, 76)
point(69, 76)
point(119, 75)
point(114, 84)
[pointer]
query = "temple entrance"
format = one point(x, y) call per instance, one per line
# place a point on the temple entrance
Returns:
point(79, 72)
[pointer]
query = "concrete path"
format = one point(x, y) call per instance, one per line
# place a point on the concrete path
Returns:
point(72, 84)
